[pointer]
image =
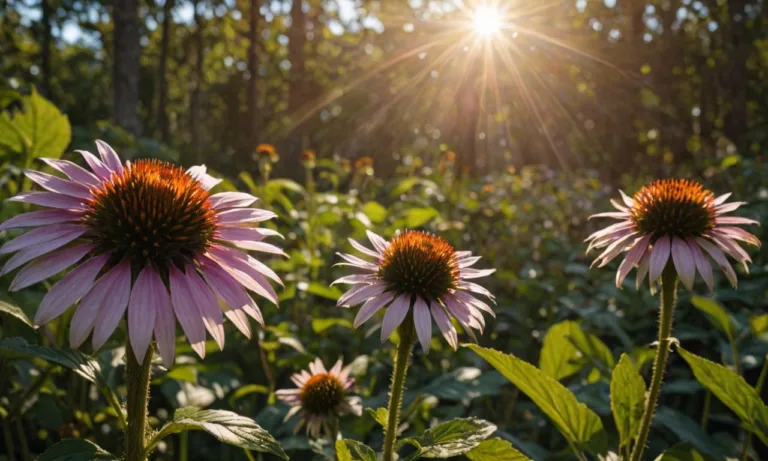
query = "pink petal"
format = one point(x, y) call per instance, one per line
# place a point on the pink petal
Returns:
point(475, 288)
point(378, 241)
point(717, 254)
point(85, 315)
point(240, 233)
point(721, 199)
point(207, 181)
point(619, 207)
point(611, 214)
point(423, 323)
point(69, 289)
point(444, 324)
point(360, 294)
point(48, 266)
point(703, 266)
point(251, 264)
point(142, 310)
point(109, 157)
point(627, 200)
point(736, 233)
point(186, 311)
point(96, 165)
point(469, 273)
point(74, 171)
point(684, 262)
point(239, 320)
point(244, 215)
point(113, 305)
point(165, 325)
point(258, 246)
point(30, 253)
point(633, 257)
point(354, 261)
point(41, 218)
point(660, 252)
point(244, 272)
point(468, 262)
point(207, 304)
point(363, 249)
point(355, 279)
point(732, 249)
point(42, 235)
point(472, 301)
point(728, 207)
point(395, 315)
point(224, 200)
point(609, 239)
point(50, 200)
point(735, 220)
point(610, 229)
point(60, 186)
point(372, 306)
point(614, 249)
point(642, 269)
point(459, 310)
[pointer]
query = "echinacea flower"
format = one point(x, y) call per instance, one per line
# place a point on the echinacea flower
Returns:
point(677, 220)
point(153, 242)
point(320, 396)
point(420, 273)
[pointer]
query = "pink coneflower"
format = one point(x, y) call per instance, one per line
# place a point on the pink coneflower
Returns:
point(320, 397)
point(674, 219)
point(152, 240)
point(419, 270)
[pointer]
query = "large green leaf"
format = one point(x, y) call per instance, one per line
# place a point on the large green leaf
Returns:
point(580, 425)
point(495, 450)
point(627, 399)
point(416, 217)
point(15, 311)
point(375, 211)
point(75, 450)
point(716, 314)
point(380, 415)
point(226, 426)
point(559, 357)
point(452, 438)
point(40, 130)
point(324, 291)
point(733, 391)
point(352, 450)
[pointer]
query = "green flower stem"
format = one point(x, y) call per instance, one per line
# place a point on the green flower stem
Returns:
point(407, 334)
point(137, 376)
point(668, 300)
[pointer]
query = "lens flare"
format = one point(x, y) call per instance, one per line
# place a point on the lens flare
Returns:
point(486, 21)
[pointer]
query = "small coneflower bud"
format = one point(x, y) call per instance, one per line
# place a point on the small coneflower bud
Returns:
point(346, 165)
point(674, 221)
point(156, 247)
point(307, 158)
point(417, 273)
point(321, 395)
point(449, 156)
point(267, 152)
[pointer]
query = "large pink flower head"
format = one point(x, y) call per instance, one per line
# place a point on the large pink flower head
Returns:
point(674, 221)
point(152, 241)
point(420, 273)
point(320, 396)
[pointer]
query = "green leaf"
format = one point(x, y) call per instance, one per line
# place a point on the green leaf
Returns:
point(495, 450)
point(452, 438)
point(40, 130)
point(716, 314)
point(758, 323)
point(682, 452)
point(375, 212)
point(417, 217)
point(733, 391)
point(627, 399)
point(688, 430)
point(380, 415)
point(320, 325)
point(324, 291)
point(352, 450)
point(226, 426)
point(559, 357)
point(285, 184)
point(75, 450)
point(14, 311)
point(580, 425)
point(249, 389)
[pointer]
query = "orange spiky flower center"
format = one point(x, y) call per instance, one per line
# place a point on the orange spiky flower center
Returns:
point(152, 212)
point(420, 263)
point(673, 207)
point(322, 393)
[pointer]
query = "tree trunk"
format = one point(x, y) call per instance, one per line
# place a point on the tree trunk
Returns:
point(197, 84)
point(253, 70)
point(45, 49)
point(296, 54)
point(126, 65)
point(161, 122)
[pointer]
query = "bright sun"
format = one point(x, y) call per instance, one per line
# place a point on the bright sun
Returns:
point(486, 20)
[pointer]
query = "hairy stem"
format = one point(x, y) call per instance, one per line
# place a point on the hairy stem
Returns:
point(407, 332)
point(668, 299)
point(137, 376)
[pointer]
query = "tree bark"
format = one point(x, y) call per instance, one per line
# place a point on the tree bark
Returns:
point(253, 70)
point(45, 49)
point(126, 65)
point(197, 82)
point(161, 122)
point(296, 54)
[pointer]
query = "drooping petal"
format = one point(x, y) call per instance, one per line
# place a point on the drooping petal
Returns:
point(113, 306)
point(370, 307)
point(395, 315)
point(642, 269)
point(88, 310)
point(732, 249)
point(109, 157)
point(702, 265)
point(224, 200)
point(444, 324)
point(633, 257)
point(142, 310)
point(42, 235)
point(610, 229)
point(32, 252)
point(186, 311)
point(717, 254)
point(165, 324)
point(736, 233)
point(660, 252)
point(356, 296)
point(69, 289)
point(48, 265)
point(614, 249)
point(50, 200)
point(57, 185)
point(74, 171)
point(423, 323)
point(41, 218)
point(684, 262)
point(207, 304)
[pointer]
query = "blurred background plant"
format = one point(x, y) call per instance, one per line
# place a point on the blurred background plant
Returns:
point(594, 96)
